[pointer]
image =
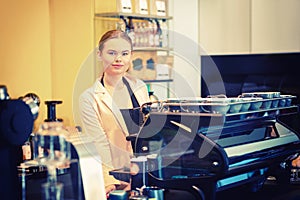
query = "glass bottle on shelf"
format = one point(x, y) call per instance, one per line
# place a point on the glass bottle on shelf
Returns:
point(144, 35)
point(141, 35)
point(137, 34)
point(120, 25)
point(165, 33)
point(151, 33)
point(130, 30)
point(158, 35)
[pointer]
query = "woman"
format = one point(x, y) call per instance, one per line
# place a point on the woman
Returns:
point(110, 108)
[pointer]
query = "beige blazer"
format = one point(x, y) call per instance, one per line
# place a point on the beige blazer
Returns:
point(102, 120)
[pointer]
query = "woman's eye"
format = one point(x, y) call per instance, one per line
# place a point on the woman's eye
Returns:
point(112, 53)
point(125, 53)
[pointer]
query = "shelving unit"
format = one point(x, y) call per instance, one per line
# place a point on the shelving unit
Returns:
point(149, 57)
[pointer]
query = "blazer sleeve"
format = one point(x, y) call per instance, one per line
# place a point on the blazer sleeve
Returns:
point(90, 119)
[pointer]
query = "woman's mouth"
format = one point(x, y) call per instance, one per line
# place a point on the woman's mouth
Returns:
point(117, 65)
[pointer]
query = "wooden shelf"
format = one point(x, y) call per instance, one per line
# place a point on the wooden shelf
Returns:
point(131, 15)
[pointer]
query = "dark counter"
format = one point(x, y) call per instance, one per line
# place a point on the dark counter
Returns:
point(270, 191)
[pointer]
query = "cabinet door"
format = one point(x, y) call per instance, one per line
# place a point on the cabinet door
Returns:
point(225, 26)
point(275, 26)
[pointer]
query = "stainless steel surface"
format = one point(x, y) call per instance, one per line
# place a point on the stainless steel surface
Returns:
point(224, 106)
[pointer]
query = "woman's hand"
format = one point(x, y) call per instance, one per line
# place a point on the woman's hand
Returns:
point(296, 162)
point(123, 186)
point(109, 189)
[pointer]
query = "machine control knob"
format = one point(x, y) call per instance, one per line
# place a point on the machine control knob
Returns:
point(144, 148)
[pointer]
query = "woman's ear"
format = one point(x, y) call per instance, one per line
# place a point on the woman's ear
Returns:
point(99, 56)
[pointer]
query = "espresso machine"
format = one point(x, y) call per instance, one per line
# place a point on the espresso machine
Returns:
point(211, 146)
point(65, 163)
point(16, 123)
point(62, 164)
point(206, 145)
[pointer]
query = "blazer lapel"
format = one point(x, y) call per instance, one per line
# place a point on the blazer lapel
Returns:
point(104, 96)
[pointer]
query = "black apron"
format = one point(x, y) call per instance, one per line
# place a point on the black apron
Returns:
point(133, 117)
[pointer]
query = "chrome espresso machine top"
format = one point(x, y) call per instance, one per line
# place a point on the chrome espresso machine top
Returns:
point(212, 144)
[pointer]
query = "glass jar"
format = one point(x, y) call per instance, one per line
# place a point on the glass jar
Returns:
point(52, 150)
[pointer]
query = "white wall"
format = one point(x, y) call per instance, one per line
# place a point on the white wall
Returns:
point(275, 26)
point(250, 26)
point(185, 36)
point(227, 27)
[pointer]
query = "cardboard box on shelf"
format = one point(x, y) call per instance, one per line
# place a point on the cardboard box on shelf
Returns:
point(149, 66)
point(164, 67)
point(124, 6)
point(143, 65)
point(141, 7)
point(158, 7)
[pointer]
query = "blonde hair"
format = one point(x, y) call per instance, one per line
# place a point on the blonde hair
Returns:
point(111, 35)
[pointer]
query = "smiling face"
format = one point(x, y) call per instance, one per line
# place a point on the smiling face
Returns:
point(116, 56)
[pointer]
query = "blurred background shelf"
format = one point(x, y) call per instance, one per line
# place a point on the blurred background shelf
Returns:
point(131, 15)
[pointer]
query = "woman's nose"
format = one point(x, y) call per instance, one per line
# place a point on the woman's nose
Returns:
point(118, 58)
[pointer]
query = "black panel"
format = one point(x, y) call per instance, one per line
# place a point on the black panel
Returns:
point(250, 72)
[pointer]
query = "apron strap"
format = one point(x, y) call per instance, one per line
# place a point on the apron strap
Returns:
point(134, 101)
